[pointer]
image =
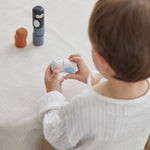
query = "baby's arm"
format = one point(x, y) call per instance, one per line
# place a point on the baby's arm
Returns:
point(51, 112)
point(59, 120)
point(54, 128)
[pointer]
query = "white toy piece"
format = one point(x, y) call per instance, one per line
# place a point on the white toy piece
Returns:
point(65, 65)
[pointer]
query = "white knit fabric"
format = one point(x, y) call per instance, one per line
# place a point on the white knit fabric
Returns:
point(49, 103)
point(95, 122)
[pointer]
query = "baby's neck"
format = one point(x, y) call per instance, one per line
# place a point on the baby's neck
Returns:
point(122, 90)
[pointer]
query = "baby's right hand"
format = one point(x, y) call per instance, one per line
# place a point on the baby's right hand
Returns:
point(83, 71)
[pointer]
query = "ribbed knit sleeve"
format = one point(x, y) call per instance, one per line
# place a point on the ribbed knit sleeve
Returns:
point(57, 115)
point(51, 101)
point(56, 131)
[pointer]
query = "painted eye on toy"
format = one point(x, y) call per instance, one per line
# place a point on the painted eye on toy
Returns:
point(37, 16)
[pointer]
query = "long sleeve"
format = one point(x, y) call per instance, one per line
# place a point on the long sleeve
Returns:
point(51, 101)
point(53, 111)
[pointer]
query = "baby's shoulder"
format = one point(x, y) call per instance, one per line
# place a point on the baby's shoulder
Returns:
point(80, 102)
point(83, 97)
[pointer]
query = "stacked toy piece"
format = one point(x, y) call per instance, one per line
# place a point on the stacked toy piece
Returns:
point(38, 24)
point(20, 37)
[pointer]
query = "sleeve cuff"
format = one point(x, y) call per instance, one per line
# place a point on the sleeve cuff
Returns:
point(51, 101)
point(93, 78)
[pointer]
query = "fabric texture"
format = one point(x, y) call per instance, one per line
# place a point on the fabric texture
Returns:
point(92, 122)
point(48, 103)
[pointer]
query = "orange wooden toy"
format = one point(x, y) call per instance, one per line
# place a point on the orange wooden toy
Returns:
point(20, 37)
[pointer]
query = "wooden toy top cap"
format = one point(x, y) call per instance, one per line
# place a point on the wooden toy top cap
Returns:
point(21, 32)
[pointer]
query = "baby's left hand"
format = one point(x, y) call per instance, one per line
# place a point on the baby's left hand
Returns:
point(51, 80)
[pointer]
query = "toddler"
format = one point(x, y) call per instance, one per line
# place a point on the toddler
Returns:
point(113, 112)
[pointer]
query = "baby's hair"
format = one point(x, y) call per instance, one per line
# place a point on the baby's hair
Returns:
point(119, 30)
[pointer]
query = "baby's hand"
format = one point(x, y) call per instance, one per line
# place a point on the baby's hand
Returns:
point(51, 80)
point(83, 71)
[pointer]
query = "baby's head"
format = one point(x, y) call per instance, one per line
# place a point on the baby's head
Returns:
point(119, 31)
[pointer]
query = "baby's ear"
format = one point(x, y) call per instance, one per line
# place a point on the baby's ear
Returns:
point(104, 66)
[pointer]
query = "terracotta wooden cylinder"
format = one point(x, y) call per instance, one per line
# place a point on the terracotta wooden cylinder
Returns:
point(20, 37)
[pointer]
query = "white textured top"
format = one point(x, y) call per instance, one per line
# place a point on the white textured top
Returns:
point(94, 122)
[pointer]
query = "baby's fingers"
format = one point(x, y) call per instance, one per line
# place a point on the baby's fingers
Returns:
point(61, 80)
point(76, 59)
point(74, 55)
point(48, 71)
point(72, 76)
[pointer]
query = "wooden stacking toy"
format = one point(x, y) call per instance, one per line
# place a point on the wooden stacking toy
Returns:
point(20, 37)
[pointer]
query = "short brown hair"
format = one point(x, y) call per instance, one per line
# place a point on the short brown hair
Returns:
point(119, 30)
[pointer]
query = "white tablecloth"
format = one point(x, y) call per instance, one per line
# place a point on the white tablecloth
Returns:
point(22, 70)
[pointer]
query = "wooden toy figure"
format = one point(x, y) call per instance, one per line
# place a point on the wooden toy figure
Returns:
point(38, 25)
point(20, 37)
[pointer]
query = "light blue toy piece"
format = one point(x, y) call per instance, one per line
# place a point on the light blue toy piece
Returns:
point(38, 36)
point(69, 70)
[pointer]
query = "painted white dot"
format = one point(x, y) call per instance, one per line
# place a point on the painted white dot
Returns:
point(36, 23)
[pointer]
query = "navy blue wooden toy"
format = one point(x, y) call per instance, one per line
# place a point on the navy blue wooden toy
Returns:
point(38, 25)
